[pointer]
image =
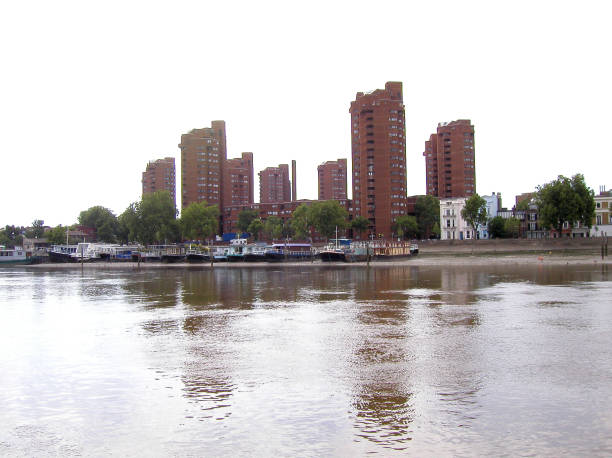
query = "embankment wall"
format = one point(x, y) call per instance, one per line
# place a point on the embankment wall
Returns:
point(579, 246)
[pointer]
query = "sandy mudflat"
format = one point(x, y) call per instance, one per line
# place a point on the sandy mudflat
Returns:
point(421, 260)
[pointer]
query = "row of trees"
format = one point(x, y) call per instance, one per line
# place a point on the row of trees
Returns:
point(560, 202)
point(323, 217)
point(327, 216)
point(12, 236)
point(153, 219)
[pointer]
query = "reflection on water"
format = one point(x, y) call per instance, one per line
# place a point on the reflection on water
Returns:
point(333, 360)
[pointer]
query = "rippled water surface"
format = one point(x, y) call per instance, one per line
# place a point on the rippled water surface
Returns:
point(306, 361)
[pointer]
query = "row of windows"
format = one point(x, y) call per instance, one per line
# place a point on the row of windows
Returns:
point(209, 185)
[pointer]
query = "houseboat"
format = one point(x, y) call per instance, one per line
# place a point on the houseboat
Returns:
point(289, 252)
point(356, 252)
point(220, 253)
point(196, 255)
point(255, 252)
point(13, 256)
point(62, 253)
point(118, 253)
point(173, 253)
point(383, 250)
point(235, 251)
point(335, 251)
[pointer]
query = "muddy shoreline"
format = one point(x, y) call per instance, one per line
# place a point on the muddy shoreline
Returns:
point(462, 259)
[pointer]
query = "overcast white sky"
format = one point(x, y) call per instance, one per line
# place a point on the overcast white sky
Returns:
point(90, 92)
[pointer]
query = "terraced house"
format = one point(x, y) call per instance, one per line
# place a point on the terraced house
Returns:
point(602, 225)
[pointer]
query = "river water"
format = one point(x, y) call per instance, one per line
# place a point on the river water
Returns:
point(306, 361)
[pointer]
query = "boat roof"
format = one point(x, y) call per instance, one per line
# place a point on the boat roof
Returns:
point(290, 244)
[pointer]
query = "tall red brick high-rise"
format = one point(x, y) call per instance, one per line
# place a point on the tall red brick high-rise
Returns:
point(160, 175)
point(237, 182)
point(378, 130)
point(274, 184)
point(449, 160)
point(203, 156)
point(332, 180)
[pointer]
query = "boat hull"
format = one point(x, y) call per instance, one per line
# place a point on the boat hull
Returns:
point(172, 258)
point(61, 257)
point(333, 256)
point(17, 262)
point(197, 257)
point(254, 257)
point(352, 257)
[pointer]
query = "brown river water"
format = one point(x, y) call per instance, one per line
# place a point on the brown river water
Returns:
point(307, 361)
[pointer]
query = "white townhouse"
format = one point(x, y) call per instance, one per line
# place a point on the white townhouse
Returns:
point(493, 207)
point(452, 225)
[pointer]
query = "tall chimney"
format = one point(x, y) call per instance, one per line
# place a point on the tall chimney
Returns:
point(293, 184)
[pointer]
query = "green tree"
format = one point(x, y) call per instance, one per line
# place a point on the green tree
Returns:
point(287, 230)
point(199, 221)
point(37, 230)
point(497, 227)
point(360, 224)
point(427, 210)
point(4, 238)
point(273, 227)
point(11, 236)
point(102, 220)
point(475, 212)
point(565, 200)
point(152, 220)
point(129, 224)
point(436, 230)
point(245, 217)
point(300, 223)
point(255, 228)
point(406, 226)
point(523, 205)
point(512, 227)
point(56, 235)
point(326, 216)
point(157, 215)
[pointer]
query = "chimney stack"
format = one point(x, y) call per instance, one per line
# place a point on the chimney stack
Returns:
point(293, 184)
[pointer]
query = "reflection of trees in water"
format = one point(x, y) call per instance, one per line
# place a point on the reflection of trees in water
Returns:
point(153, 289)
point(460, 286)
point(207, 326)
point(384, 415)
point(449, 357)
point(208, 388)
point(563, 275)
point(235, 288)
point(399, 350)
point(208, 361)
point(382, 397)
point(392, 349)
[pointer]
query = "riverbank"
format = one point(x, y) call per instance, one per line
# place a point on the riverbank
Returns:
point(580, 246)
point(425, 259)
